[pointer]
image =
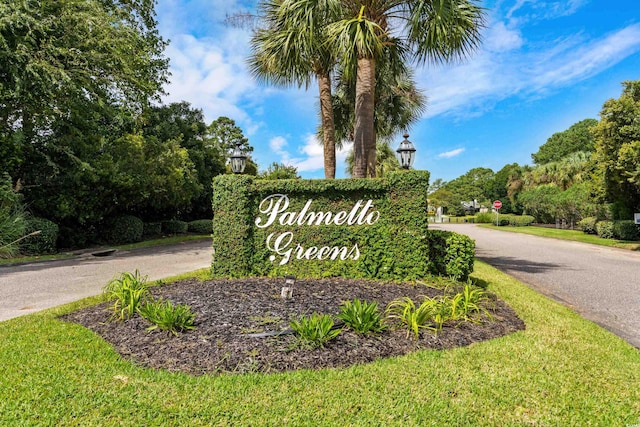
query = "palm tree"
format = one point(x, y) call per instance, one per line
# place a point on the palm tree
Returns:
point(290, 48)
point(386, 161)
point(429, 30)
point(399, 103)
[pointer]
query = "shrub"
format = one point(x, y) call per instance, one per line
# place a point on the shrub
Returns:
point(450, 254)
point(502, 222)
point(45, 241)
point(625, 230)
point(128, 293)
point(588, 225)
point(314, 331)
point(521, 220)
point(484, 218)
point(12, 220)
point(123, 229)
point(605, 229)
point(390, 245)
point(152, 229)
point(168, 317)
point(363, 317)
point(201, 226)
point(174, 226)
point(76, 236)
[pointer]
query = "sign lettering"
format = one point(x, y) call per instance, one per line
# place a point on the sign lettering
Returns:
point(274, 210)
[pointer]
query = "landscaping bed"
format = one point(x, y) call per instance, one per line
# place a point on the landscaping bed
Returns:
point(233, 315)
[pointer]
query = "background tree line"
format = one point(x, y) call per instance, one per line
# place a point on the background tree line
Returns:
point(591, 169)
point(83, 138)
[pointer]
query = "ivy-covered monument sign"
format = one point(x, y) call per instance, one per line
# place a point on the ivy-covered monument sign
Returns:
point(357, 228)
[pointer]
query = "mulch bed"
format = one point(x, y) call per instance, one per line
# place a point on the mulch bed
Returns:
point(229, 313)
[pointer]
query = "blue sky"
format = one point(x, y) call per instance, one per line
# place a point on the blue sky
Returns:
point(543, 66)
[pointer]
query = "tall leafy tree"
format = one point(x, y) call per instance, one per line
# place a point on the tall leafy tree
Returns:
point(185, 125)
point(290, 48)
point(225, 134)
point(54, 54)
point(497, 187)
point(565, 172)
point(575, 139)
point(617, 153)
point(473, 185)
point(279, 171)
point(427, 31)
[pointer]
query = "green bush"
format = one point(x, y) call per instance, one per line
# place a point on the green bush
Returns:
point(484, 218)
point(152, 229)
point(174, 226)
point(200, 226)
point(450, 254)
point(45, 241)
point(123, 229)
point(72, 237)
point(12, 219)
point(588, 225)
point(625, 230)
point(521, 220)
point(392, 246)
point(605, 229)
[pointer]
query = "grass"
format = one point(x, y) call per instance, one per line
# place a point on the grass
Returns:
point(574, 235)
point(144, 244)
point(562, 370)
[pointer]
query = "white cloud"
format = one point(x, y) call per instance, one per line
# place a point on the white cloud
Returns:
point(529, 10)
point(587, 60)
point(502, 39)
point(277, 144)
point(310, 156)
point(493, 75)
point(208, 74)
point(450, 154)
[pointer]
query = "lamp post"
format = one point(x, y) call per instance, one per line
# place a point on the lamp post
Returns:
point(406, 152)
point(238, 160)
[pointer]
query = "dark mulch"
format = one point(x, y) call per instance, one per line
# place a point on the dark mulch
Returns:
point(228, 313)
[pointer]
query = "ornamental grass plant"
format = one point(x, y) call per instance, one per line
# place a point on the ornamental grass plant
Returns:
point(128, 292)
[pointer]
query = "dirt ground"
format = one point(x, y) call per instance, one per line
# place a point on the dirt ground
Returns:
point(233, 317)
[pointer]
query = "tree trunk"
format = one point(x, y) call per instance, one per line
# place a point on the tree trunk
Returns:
point(364, 138)
point(328, 129)
point(372, 156)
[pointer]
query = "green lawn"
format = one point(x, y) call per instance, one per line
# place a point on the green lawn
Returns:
point(562, 370)
point(574, 235)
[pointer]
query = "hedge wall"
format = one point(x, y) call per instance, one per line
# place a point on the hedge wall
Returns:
point(377, 228)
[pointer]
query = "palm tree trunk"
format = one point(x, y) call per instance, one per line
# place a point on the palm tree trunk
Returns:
point(328, 129)
point(372, 155)
point(364, 138)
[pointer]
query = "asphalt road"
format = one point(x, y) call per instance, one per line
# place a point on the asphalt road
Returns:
point(32, 287)
point(602, 284)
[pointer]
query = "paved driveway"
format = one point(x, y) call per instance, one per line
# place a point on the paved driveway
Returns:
point(600, 283)
point(33, 287)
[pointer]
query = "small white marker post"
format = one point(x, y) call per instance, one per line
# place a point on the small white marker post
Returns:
point(287, 291)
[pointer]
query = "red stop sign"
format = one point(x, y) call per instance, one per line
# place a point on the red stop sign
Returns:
point(497, 204)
